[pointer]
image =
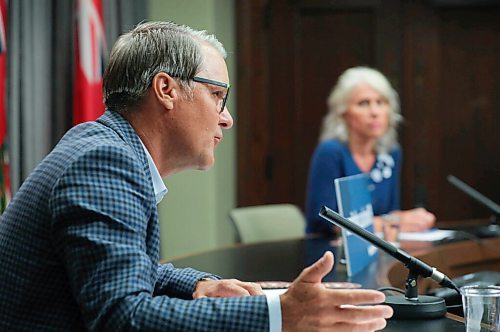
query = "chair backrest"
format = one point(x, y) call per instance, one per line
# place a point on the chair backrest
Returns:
point(268, 222)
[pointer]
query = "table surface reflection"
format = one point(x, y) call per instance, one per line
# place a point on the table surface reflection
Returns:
point(284, 260)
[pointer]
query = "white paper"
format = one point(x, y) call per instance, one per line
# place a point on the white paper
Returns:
point(277, 291)
point(430, 235)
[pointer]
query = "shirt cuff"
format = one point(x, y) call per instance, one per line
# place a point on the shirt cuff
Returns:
point(274, 306)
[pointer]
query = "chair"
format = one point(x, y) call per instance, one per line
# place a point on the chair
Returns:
point(268, 222)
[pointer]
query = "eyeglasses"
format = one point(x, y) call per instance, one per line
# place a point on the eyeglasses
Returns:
point(217, 83)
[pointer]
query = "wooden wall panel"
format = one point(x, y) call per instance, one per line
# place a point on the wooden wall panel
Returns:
point(441, 56)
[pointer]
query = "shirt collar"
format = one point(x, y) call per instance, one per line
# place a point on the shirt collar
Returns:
point(158, 184)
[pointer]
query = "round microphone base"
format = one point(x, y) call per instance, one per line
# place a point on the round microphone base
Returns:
point(425, 307)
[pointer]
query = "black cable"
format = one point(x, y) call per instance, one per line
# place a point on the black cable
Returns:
point(453, 306)
point(394, 289)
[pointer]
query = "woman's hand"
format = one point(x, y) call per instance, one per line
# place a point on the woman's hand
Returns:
point(415, 220)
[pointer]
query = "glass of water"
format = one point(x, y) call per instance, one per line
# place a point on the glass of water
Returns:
point(481, 307)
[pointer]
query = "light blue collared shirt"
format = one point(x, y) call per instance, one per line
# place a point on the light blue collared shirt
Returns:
point(158, 184)
point(273, 300)
point(274, 306)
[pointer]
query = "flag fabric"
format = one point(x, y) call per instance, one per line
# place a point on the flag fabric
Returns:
point(89, 65)
point(4, 164)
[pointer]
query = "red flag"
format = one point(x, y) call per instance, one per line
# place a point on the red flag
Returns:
point(3, 60)
point(4, 162)
point(90, 49)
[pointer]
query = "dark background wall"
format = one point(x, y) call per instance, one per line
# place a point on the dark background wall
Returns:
point(441, 56)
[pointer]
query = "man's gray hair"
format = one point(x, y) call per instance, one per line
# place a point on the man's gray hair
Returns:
point(148, 49)
point(334, 126)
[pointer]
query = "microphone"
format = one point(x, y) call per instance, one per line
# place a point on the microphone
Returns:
point(471, 192)
point(411, 306)
point(493, 230)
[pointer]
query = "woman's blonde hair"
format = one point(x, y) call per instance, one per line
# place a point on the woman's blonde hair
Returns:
point(334, 126)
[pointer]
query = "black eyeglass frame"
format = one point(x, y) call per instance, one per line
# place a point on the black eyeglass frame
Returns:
point(217, 83)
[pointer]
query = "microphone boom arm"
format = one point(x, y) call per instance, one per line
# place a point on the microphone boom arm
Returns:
point(415, 265)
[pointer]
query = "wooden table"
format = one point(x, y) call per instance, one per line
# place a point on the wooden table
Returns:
point(284, 260)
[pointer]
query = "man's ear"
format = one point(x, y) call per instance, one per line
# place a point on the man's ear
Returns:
point(166, 89)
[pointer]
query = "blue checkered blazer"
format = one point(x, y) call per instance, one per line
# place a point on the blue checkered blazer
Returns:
point(79, 247)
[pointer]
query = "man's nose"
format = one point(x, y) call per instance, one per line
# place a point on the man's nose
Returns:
point(226, 119)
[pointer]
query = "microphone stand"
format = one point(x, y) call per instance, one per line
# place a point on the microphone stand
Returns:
point(411, 306)
point(414, 306)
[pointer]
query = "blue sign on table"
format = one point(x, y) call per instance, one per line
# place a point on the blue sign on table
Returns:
point(355, 203)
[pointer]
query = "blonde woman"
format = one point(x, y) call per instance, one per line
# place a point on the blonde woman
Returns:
point(359, 135)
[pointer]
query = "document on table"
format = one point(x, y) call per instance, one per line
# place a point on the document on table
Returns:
point(279, 287)
point(276, 291)
point(434, 234)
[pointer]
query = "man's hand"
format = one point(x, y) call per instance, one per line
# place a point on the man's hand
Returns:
point(225, 288)
point(309, 306)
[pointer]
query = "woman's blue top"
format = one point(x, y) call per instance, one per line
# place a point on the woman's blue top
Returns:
point(332, 159)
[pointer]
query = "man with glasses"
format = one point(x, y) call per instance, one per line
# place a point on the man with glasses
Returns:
point(80, 240)
point(216, 83)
